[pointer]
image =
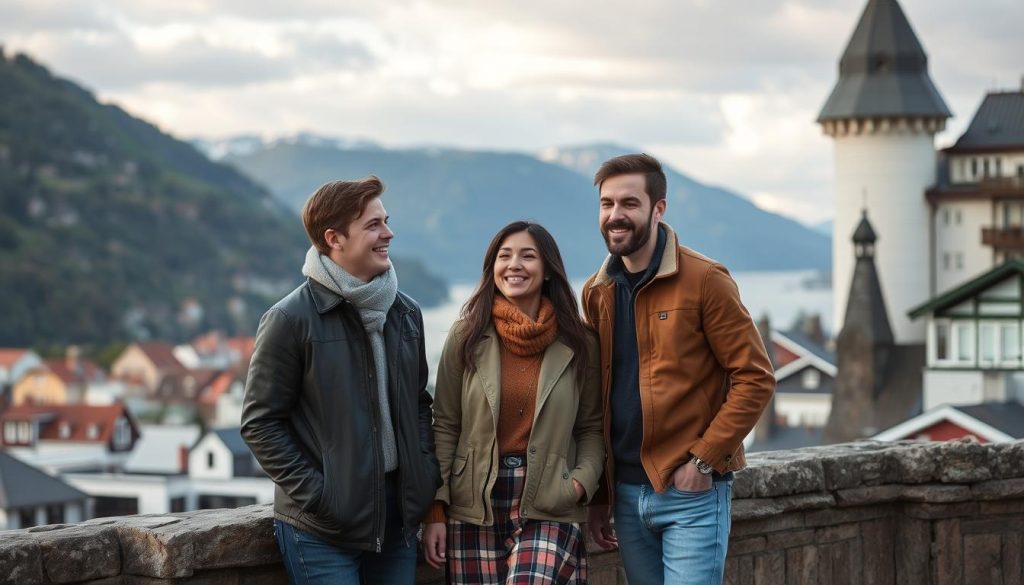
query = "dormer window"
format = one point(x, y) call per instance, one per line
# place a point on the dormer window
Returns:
point(810, 379)
point(122, 434)
point(64, 429)
point(24, 432)
point(10, 432)
point(92, 432)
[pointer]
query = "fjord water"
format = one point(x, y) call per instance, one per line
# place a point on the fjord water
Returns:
point(780, 295)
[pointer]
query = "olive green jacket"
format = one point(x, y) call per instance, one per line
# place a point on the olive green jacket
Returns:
point(565, 443)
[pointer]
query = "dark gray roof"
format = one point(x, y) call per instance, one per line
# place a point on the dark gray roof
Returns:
point(22, 485)
point(232, 437)
point(884, 71)
point(864, 234)
point(865, 307)
point(785, 438)
point(793, 383)
point(801, 339)
point(1008, 417)
point(998, 124)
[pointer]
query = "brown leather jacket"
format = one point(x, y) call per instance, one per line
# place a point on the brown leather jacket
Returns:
point(704, 374)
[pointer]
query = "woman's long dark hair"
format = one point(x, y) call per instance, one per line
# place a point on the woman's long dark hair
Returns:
point(476, 313)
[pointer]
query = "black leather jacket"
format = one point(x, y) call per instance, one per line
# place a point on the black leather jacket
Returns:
point(310, 416)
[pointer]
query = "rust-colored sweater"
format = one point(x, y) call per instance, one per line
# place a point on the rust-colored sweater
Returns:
point(523, 342)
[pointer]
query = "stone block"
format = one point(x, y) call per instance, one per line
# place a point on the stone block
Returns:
point(878, 545)
point(785, 540)
point(757, 508)
point(998, 489)
point(913, 550)
point(802, 565)
point(1001, 507)
point(79, 553)
point(800, 476)
point(745, 546)
point(837, 533)
point(964, 462)
point(863, 496)
point(119, 580)
point(992, 525)
point(935, 494)
point(915, 462)
point(770, 567)
point(1007, 459)
point(927, 511)
point(766, 525)
point(948, 553)
point(1013, 564)
point(833, 516)
point(21, 559)
point(983, 562)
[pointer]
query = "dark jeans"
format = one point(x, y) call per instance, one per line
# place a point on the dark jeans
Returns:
point(311, 561)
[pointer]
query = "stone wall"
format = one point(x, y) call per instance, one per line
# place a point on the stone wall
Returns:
point(856, 513)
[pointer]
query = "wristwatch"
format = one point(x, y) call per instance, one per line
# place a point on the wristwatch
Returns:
point(703, 467)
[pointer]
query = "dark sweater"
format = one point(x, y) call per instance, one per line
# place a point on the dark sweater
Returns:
point(627, 415)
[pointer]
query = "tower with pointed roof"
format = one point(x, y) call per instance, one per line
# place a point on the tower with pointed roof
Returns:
point(883, 115)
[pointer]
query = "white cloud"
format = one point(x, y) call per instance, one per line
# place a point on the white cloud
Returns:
point(725, 91)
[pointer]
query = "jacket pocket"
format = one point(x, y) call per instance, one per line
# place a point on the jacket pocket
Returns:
point(461, 481)
point(555, 494)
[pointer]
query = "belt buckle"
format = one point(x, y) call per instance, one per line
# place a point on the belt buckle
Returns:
point(512, 461)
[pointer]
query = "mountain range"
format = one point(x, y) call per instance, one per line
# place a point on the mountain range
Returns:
point(111, 230)
point(446, 203)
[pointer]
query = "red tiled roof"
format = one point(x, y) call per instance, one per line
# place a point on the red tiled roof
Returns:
point(161, 354)
point(9, 355)
point(59, 366)
point(80, 417)
point(220, 385)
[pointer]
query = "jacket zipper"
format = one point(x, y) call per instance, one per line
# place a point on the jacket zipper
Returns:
point(378, 464)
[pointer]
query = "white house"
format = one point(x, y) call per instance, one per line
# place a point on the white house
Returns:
point(30, 497)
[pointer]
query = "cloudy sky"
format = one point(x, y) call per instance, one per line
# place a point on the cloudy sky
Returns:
point(725, 91)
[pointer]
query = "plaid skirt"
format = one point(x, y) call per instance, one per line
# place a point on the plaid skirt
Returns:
point(514, 551)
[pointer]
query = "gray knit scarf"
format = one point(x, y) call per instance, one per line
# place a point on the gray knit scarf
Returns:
point(373, 300)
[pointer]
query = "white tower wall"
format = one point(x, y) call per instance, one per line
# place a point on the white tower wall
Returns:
point(886, 170)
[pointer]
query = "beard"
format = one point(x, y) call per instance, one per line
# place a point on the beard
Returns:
point(637, 238)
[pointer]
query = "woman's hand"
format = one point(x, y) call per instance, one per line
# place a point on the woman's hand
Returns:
point(580, 492)
point(434, 535)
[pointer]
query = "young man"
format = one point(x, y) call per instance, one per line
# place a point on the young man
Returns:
point(336, 406)
point(685, 378)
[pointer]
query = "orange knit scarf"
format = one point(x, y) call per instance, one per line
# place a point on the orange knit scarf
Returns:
point(520, 334)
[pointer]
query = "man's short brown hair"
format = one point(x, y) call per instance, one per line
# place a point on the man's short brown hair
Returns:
point(655, 184)
point(335, 205)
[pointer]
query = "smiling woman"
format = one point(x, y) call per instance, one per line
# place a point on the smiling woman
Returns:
point(539, 435)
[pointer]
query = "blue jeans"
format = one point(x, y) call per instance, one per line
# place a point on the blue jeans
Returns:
point(673, 537)
point(311, 561)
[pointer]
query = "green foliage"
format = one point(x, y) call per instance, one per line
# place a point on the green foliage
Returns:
point(109, 227)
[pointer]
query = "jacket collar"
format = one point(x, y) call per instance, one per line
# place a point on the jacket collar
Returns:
point(669, 260)
point(326, 299)
point(556, 359)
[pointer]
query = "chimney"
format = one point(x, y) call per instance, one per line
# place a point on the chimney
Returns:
point(183, 459)
point(72, 358)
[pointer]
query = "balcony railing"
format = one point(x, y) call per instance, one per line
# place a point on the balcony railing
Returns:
point(1003, 238)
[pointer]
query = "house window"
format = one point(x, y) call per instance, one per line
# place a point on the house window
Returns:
point(810, 379)
point(10, 432)
point(27, 517)
point(942, 341)
point(964, 335)
point(177, 504)
point(945, 261)
point(92, 431)
point(209, 460)
point(986, 343)
point(55, 514)
point(24, 432)
point(945, 216)
point(958, 216)
point(999, 167)
point(985, 167)
point(1009, 342)
point(65, 429)
point(974, 168)
point(1020, 171)
point(959, 260)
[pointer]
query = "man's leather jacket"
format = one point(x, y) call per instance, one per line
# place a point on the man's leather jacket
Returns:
point(310, 416)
